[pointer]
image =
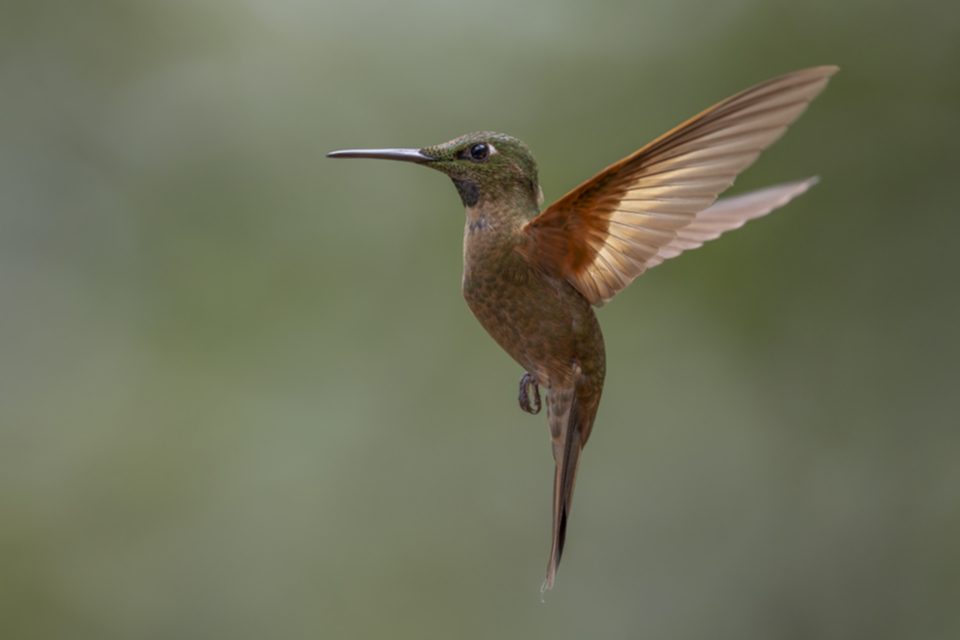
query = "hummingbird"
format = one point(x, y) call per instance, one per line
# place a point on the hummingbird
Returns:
point(531, 277)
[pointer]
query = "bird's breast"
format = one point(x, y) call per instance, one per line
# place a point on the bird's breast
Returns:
point(543, 323)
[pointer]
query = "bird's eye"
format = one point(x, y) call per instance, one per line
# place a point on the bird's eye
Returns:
point(479, 152)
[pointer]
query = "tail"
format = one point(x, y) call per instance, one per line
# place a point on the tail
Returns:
point(571, 417)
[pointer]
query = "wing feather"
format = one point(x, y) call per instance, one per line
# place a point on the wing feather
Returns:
point(729, 214)
point(656, 203)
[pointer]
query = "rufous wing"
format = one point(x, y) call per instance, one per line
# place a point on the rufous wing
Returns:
point(607, 231)
point(727, 214)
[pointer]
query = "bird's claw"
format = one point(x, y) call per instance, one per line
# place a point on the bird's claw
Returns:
point(525, 383)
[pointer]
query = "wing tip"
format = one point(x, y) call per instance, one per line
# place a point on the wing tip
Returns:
point(825, 70)
point(802, 185)
point(812, 74)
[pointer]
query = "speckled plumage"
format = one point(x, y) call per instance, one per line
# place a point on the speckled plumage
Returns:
point(550, 329)
point(543, 322)
point(530, 278)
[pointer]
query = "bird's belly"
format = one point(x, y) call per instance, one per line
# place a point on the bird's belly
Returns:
point(544, 324)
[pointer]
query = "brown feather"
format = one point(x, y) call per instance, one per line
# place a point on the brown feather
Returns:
point(608, 230)
point(727, 214)
point(571, 411)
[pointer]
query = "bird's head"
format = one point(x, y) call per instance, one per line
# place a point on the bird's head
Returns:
point(486, 167)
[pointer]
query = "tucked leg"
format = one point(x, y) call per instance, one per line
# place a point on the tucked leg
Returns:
point(525, 383)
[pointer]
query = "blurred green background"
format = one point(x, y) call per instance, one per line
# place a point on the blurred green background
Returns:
point(241, 396)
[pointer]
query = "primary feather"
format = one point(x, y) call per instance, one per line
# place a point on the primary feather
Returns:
point(635, 213)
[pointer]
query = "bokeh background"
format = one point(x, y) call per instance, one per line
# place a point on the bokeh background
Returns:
point(241, 396)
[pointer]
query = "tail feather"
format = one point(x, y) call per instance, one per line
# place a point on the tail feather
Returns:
point(569, 421)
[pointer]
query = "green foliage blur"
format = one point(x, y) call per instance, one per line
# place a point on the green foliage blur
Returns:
point(241, 396)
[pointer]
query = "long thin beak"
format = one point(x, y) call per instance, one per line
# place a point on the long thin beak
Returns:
point(406, 155)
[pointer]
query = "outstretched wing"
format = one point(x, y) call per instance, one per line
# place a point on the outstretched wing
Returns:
point(728, 214)
point(607, 231)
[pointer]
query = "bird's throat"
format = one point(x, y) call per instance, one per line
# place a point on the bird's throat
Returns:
point(469, 191)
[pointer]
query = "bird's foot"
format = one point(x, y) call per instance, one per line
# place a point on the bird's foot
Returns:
point(525, 383)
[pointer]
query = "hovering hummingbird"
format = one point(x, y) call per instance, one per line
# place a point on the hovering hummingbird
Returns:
point(530, 277)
